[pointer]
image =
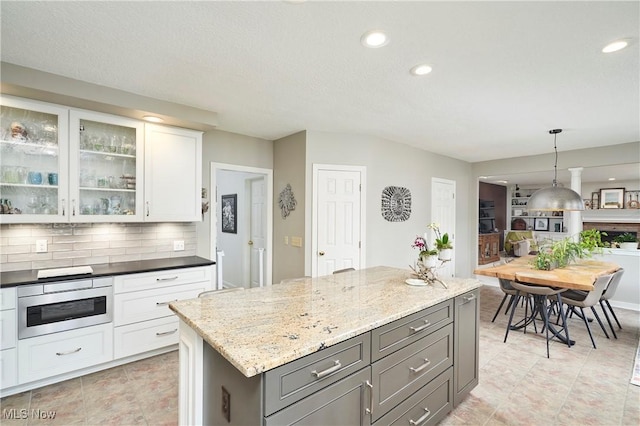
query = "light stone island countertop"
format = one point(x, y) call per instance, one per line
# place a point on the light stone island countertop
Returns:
point(262, 328)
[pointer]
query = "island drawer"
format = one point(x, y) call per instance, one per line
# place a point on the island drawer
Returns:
point(428, 406)
point(402, 332)
point(402, 373)
point(158, 279)
point(291, 382)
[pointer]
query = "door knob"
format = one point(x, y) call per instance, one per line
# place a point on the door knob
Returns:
point(250, 242)
point(321, 253)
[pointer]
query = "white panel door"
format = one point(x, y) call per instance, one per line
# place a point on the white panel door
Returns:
point(443, 212)
point(338, 213)
point(258, 231)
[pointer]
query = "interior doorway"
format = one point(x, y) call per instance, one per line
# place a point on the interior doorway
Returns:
point(242, 225)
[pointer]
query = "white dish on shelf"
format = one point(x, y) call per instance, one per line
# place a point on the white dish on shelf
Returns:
point(415, 282)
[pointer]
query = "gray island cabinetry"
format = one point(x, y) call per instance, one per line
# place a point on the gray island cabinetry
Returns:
point(358, 348)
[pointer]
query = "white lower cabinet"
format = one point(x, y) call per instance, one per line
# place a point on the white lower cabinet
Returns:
point(52, 354)
point(142, 319)
point(8, 339)
point(8, 368)
point(145, 336)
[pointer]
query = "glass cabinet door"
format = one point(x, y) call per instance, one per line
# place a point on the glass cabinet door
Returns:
point(33, 161)
point(105, 168)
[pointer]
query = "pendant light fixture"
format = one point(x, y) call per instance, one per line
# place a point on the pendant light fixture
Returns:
point(555, 198)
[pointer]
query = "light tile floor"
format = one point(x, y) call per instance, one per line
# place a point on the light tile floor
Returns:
point(518, 384)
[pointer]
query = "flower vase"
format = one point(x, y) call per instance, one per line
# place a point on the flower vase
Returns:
point(430, 261)
point(445, 254)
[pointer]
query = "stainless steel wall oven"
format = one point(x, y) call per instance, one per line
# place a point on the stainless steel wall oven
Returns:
point(59, 306)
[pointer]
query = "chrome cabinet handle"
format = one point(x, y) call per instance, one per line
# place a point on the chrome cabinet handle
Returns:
point(167, 279)
point(468, 299)
point(422, 327)
point(370, 409)
point(336, 366)
point(165, 303)
point(422, 367)
point(165, 333)
point(68, 353)
point(421, 419)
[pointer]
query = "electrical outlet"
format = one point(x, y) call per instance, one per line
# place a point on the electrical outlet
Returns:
point(178, 245)
point(41, 246)
point(226, 404)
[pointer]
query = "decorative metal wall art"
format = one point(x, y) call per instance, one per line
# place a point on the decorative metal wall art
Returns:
point(396, 203)
point(287, 201)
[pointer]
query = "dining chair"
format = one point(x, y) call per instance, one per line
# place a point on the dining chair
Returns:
point(211, 293)
point(339, 271)
point(541, 297)
point(509, 291)
point(578, 299)
point(607, 294)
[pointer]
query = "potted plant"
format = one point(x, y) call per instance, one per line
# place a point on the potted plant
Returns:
point(444, 246)
point(428, 257)
point(626, 241)
point(560, 253)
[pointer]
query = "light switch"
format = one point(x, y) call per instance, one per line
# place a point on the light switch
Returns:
point(296, 241)
point(286, 240)
point(41, 246)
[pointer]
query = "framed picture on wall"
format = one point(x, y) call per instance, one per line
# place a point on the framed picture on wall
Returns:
point(229, 205)
point(541, 224)
point(612, 198)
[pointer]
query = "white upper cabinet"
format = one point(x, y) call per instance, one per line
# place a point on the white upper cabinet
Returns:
point(173, 174)
point(33, 161)
point(105, 168)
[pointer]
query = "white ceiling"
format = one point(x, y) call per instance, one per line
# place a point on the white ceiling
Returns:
point(504, 73)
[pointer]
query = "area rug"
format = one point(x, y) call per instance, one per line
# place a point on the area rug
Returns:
point(635, 374)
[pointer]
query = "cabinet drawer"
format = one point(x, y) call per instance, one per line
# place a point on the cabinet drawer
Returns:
point(8, 368)
point(426, 407)
point(52, 354)
point(400, 333)
point(402, 373)
point(8, 329)
point(168, 278)
point(291, 382)
point(342, 403)
point(144, 336)
point(151, 304)
point(8, 298)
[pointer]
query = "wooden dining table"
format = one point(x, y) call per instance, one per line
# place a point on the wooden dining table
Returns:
point(580, 275)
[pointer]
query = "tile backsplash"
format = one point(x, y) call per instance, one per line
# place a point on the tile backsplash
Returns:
point(91, 243)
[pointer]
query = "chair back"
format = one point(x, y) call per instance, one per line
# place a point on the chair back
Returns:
point(613, 284)
point(599, 286)
point(505, 286)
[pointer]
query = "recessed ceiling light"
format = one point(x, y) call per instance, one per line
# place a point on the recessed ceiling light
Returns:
point(421, 69)
point(152, 119)
point(374, 39)
point(615, 46)
point(612, 178)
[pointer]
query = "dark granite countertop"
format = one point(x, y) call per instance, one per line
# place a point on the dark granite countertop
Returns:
point(17, 278)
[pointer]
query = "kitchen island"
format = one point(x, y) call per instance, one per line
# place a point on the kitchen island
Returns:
point(353, 348)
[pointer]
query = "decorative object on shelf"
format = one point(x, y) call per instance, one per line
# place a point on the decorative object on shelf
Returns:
point(587, 204)
point(229, 210)
point(633, 203)
point(612, 198)
point(18, 131)
point(555, 197)
point(595, 200)
point(626, 241)
point(518, 224)
point(287, 201)
point(396, 203)
point(541, 224)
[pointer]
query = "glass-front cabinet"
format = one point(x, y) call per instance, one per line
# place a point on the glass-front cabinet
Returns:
point(106, 168)
point(33, 161)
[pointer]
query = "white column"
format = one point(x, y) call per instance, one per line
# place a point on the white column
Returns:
point(574, 225)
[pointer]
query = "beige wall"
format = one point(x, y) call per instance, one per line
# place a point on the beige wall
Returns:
point(289, 168)
point(390, 163)
point(230, 148)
